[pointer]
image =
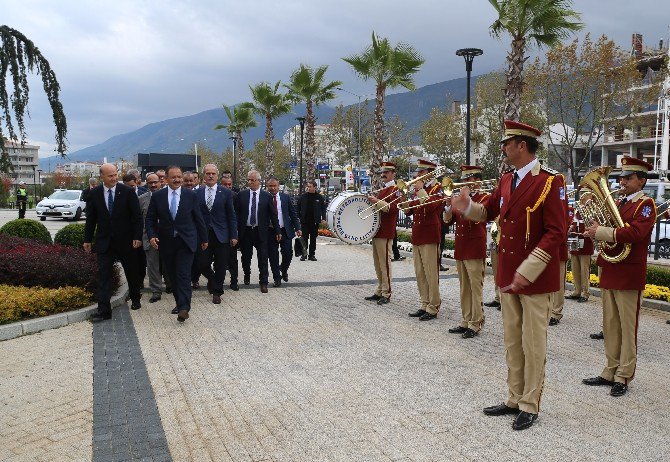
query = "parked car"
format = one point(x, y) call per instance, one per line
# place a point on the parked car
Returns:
point(63, 203)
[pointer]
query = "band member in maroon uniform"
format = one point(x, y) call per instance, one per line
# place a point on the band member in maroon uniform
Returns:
point(426, 227)
point(559, 297)
point(470, 256)
point(580, 260)
point(622, 282)
point(385, 202)
point(532, 227)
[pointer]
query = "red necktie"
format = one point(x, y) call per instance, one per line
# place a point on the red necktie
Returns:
point(274, 201)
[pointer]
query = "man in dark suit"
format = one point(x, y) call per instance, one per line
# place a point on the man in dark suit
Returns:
point(290, 228)
point(175, 226)
point(115, 218)
point(218, 211)
point(312, 211)
point(255, 214)
point(233, 264)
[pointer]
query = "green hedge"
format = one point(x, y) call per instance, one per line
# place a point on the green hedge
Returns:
point(72, 235)
point(28, 229)
point(658, 275)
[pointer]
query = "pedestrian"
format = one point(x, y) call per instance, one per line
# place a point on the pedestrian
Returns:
point(21, 199)
point(312, 213)
point(115, 218)
point(289, 223)
point(233, 264)
point(151, 255)
point(175, 227)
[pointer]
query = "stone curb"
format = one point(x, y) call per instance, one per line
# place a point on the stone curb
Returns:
point(659, 305)
point(31, 326)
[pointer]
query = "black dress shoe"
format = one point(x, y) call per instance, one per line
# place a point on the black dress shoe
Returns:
point(492, 304)
point(264, 288)
point(417, 313)
point(284, 276)
point(582, 299)
point(136, 305)
point(311, 258)
point(234, 286)
point(668, 321)
point(154, 298)
point(524, 420)
point(572, 297)
point(553, 321)
point(383, 301)
point(598, 336)
point(427, 316)
point(195, 285)
point(469, 333)
point(373, 298)
point(457, 330)
point(99, 318)
point(247, 279)
point(182, 316)
point(500, 409)
point(277, 283)
point(216, 299)
point(597, 381)
point(303, 258)
point(443, 268)
point(175, 310)
point(619, 389)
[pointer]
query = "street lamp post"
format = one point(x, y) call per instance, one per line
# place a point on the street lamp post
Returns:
point(301, 120)
point(358, 142)
point(35, 184)
point(39, 181)
point(469, 56)
point(234, 138)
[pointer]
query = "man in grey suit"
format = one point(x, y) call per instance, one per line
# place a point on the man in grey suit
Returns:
point(153, 260)
point(289, 223)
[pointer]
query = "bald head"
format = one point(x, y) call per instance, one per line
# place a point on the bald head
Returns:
point(108, 175)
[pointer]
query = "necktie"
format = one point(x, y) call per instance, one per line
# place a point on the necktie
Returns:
point(252, 218)
point(623, 202)
point(514, 181)
point(210, 199)
point(274, 201)
point(110, 201)
point(173, 205)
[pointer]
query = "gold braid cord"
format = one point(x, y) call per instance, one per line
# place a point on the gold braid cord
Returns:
point(540, 200)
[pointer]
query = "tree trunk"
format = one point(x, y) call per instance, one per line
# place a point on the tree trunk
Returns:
point(378, 149)
point(514, 74)
point(310, 143)
point(269, 148)
point(240, 156)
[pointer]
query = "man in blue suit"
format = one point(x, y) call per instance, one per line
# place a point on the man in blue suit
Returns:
point(218, 211)
point(174, 223)
point(255, 214)
point(289, 223)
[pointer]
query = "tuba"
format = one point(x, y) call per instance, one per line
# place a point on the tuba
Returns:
point(596, 204)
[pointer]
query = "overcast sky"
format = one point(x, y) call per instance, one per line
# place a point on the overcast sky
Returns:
point(123, 64)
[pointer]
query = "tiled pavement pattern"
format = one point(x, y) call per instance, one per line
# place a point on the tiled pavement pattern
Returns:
point(46, 395)
point(310, 371)
point(126, 424)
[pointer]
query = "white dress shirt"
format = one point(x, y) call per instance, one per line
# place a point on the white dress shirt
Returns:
point(279, 214)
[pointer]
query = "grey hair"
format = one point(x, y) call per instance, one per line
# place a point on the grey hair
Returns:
point(210, 165)
point(255, 174)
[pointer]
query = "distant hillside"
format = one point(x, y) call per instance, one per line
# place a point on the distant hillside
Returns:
point(179, 134)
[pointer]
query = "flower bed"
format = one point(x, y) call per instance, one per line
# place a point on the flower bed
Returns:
point(650, 290)
point(325, 232)
point(19, 302)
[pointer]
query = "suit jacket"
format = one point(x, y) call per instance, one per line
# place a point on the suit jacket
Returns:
point(145, 199)
point(187, 224)
point(266, 213)
point(222, 218)
point(532, 226)
point(289, 215)
point(120, 228)
point(319, 209)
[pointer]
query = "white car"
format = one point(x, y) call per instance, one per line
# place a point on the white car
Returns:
point(63, 203)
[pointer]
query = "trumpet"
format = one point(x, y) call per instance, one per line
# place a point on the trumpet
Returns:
point(448, 188)
point(405, 188)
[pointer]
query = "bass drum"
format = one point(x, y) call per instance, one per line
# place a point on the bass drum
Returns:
point(344, 219)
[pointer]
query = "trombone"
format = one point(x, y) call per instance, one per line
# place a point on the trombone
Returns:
point(404, 188)
point(448, 190)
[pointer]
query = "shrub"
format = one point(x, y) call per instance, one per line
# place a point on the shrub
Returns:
point(449, 244)
point(72, 235)
point(658, 275)
point(25, 262)
point(404, 236)
point(18, 303)
point(29, 229)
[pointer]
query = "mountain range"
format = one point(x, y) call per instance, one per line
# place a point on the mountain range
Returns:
point(178, 135)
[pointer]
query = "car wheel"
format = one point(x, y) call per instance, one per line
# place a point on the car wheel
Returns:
point(43, 218)
point(77, 215)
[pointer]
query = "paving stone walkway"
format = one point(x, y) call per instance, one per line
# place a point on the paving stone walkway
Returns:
point(310, 372)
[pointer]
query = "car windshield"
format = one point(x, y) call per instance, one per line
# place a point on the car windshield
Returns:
point(65, 195)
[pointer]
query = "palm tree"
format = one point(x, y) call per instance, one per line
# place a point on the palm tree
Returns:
point(269, 103)
point(307, 85)
point(389, 67)
point(545, 22)
point(18, 55)
point(241, 118)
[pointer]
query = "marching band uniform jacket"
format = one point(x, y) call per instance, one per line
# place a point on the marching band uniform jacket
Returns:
point(470, 235)
point(577, 226)
point(388, 212)
point(532, 228)
point(639, 216)
point(426, 224)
